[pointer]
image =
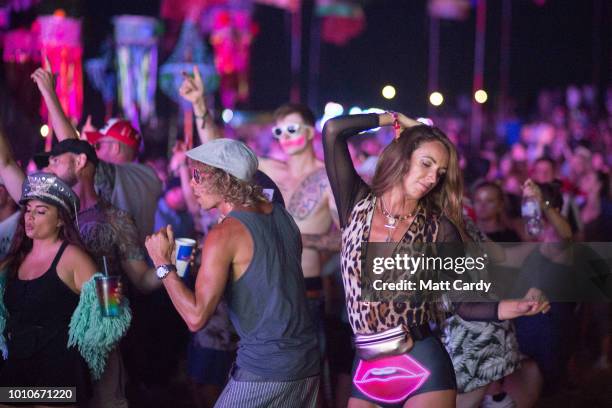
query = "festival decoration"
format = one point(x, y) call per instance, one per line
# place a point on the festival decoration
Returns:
point(231, 37)
point(60, 39)
point(21, 46)
point(136, 48)
point(179, 10)
point(289, 5)
point(342, 20)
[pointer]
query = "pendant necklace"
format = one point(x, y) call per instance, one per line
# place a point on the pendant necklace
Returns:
point(392, 220)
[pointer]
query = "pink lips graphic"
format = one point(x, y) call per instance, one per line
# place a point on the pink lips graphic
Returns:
point(390, 379)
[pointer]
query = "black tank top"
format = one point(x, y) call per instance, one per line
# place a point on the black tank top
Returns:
point(39, 312)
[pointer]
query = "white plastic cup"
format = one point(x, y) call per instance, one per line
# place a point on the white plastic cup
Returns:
point(184, 248)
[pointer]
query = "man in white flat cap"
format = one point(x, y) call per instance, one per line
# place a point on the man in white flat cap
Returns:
point(253, 258)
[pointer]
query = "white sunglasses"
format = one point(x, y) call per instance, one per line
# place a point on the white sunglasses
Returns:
point(292, 129)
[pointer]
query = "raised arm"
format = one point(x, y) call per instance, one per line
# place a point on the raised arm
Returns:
point(192, 89)
point(11, 173)
point(178, 165)
point(60, 122)
point(347, 186)
point(345, 183)
point(563, 228)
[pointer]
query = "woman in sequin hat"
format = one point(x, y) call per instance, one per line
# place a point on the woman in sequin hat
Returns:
point(45, 271)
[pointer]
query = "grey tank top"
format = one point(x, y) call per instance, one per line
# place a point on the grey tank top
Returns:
point(267, 303)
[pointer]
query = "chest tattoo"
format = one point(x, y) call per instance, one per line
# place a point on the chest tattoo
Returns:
point(308, 195)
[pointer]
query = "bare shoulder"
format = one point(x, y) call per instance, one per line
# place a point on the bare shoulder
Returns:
point(271, 166)
point(77, 259)
point(78, 267)
point(224, 234)
point(73, 253)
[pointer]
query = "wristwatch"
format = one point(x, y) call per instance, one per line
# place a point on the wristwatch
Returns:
point(163, 270)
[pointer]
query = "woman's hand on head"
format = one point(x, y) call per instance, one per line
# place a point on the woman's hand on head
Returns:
point(406, 122)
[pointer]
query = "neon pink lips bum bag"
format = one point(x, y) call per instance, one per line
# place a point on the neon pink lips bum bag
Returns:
point(385, 372)
point(390, 379)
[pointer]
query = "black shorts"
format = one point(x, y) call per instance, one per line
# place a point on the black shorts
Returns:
point(391, 381)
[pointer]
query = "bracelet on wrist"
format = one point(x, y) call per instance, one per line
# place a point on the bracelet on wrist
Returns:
point(396, 124)
point(395, 117)
point(204, 116)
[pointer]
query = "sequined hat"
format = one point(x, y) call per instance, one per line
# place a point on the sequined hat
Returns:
point(52, 190)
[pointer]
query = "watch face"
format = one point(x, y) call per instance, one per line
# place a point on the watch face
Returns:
point(162, 271)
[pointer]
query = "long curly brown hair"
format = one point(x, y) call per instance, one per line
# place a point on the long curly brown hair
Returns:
point(394, 163)
point(21, 245)
point(232, 189)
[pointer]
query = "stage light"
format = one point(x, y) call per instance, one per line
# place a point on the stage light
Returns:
point(44, 130)
point(425, 121)
point(481, 96)
point(227, 115)
point(333, 109)
point(388, 92)
point(355, 110)
point(436, 98)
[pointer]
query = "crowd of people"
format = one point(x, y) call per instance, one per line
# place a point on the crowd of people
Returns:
point(272, 311)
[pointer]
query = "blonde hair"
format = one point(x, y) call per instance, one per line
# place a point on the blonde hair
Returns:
point(233, 190)
point(394, 163)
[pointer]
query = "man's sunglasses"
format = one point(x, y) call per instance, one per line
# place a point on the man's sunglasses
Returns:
point(196, 175)
point(291, 129)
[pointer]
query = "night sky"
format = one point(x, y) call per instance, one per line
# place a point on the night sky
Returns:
point(551, 46)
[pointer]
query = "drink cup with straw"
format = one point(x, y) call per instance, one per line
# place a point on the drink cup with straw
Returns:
point(109, 296)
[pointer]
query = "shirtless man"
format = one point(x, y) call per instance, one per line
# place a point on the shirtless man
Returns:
point(303, 183)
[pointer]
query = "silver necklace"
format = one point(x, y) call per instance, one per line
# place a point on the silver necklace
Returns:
point(392, 221)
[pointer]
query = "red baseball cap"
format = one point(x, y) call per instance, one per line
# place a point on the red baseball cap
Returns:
point(120, 130)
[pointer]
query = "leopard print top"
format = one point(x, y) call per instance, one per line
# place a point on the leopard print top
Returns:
point(373, 317)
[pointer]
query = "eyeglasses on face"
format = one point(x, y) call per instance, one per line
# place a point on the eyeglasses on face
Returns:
point(291, 129)
point(196, 175)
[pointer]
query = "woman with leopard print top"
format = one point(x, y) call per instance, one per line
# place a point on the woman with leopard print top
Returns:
point(415, 197)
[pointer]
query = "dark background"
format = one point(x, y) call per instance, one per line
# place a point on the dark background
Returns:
point(559, 43)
